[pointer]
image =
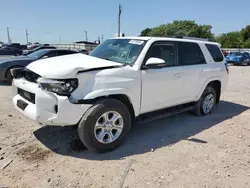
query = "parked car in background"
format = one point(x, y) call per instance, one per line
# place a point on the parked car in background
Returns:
point(7, 64)
point(26, 52)
point(225, 53)
point(10, 51)
point(14, 45)
point(238, 58)
point(83, 51)
point(247, 56)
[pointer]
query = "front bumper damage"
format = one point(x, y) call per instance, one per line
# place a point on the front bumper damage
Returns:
point(45, 107)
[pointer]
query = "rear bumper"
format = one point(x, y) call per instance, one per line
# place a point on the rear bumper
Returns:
point(48, 108)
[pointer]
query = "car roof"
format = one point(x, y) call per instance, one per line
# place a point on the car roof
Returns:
point(170, 39)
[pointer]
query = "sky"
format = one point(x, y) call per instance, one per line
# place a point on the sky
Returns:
point(51, 21)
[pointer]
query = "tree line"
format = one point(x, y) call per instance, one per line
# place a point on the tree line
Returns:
point(234, 39)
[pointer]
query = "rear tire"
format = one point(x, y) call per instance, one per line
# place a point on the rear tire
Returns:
point(206, 103)
point(98, 130)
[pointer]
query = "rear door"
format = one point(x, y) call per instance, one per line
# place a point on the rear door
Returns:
point(193, 63)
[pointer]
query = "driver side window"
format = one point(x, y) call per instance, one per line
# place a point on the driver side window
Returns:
point(164, 50)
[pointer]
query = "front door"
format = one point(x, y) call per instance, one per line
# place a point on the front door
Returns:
point(162, 87)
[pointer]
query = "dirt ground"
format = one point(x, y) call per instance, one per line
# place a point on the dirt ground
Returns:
point(182, 151)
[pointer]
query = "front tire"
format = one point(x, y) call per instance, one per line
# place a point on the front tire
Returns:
point(105, 125)
point(206, 103)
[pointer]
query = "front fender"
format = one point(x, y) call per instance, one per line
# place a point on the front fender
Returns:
point(133, 98)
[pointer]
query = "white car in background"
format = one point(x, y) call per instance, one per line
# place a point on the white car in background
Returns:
point(122, 80)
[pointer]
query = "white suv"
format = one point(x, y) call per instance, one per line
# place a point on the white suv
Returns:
point(122, 80)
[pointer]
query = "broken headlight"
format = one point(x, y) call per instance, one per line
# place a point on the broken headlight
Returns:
point(60, 87)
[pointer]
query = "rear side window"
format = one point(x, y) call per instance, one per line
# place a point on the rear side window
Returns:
point(215, 52)
point(190, 54)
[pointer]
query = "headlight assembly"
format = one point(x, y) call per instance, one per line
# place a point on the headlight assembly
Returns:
point(60, 87)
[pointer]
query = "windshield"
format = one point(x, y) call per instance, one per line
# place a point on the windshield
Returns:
point(125, 51)
point(37, 54)
point(236, 53)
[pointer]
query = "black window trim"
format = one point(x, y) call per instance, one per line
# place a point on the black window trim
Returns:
point(175, 43)
point(180, 57)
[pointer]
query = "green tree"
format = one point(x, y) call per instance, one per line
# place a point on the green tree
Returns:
point(182, 28)
point(230, 40)
point(245, 34)
point(146, 32)
point(246, 44)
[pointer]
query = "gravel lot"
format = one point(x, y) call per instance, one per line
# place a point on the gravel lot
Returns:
point(180, 151)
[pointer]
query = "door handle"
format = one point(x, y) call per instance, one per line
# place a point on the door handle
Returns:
point(178, 75)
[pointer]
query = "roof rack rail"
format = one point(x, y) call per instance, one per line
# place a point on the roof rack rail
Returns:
point(193, 38)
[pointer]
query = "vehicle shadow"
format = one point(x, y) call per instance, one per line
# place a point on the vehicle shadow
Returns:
point(143, 137)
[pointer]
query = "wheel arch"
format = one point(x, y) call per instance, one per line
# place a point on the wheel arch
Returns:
point(214, 82)
point(124, 99)
point(11, 67)
point(125, 96)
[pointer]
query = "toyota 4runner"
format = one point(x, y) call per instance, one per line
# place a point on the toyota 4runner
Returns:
point(122, 80)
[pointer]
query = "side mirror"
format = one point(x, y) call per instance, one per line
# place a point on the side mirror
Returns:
point(44, 57)
point(155, 63)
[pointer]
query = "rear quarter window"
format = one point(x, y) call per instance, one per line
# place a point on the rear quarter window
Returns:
point(215, 52)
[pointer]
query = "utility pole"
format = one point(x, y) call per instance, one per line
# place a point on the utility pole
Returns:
point(8, 34)
point(119, 19)
point(102, 38)
point(27, 36)
point(86, 35)
point(60, 39)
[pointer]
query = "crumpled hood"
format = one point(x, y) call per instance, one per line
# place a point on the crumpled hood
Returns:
point(67, 66)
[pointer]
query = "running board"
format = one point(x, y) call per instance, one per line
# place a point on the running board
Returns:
point(153, 116)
